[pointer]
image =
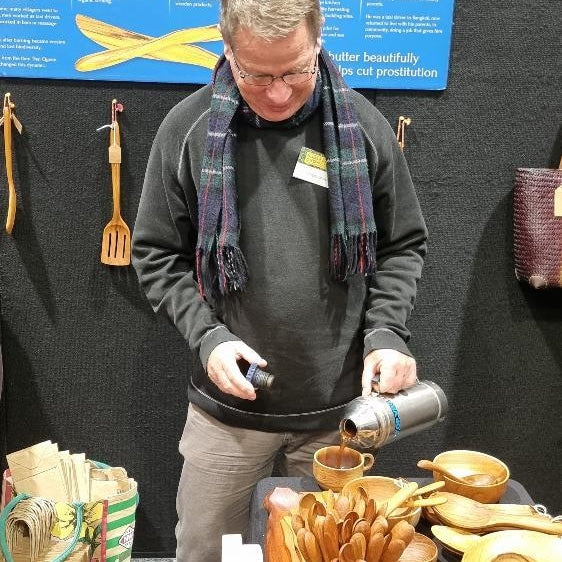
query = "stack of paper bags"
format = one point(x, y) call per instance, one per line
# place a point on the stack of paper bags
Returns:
point(44, 471)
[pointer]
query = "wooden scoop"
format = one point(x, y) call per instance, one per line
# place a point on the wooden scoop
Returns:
point(342, 506)
point(347, 553)
point(456, 540)
point(466, 513)
point(472, 479)
point(331, 541)
point(306, 501)
point(116, 240)
point(511, 545)
point(312, 547)
point(375, 547)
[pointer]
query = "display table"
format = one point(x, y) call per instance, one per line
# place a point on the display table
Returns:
point(515, 493)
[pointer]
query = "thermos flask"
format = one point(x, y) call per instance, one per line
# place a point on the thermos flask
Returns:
point(375, 420)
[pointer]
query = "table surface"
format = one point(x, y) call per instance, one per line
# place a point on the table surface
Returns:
point(515, 493)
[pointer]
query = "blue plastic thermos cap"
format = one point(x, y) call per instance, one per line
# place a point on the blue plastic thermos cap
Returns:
point(258, 378)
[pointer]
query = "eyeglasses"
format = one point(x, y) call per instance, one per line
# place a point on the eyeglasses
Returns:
point(291, 78)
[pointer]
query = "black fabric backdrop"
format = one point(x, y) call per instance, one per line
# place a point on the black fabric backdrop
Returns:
point(89, 365)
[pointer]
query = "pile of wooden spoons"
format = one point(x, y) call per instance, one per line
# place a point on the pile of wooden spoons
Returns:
point(353, 528)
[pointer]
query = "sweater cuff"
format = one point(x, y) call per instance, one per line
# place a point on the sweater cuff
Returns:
point(211, 339)
point(383, 338)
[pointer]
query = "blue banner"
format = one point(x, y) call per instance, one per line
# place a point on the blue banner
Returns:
point(389, 44)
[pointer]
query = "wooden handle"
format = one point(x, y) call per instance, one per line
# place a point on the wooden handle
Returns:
point(7, 117)
point(114, 149)
point(532, 524)
point(116, 188)
point(430, 465)
point(434, 486)
point(426, 502)
point(400, 497)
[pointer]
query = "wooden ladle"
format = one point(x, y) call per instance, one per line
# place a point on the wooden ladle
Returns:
point(477, 479)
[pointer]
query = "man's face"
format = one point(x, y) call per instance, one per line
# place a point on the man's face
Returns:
point(256, 56)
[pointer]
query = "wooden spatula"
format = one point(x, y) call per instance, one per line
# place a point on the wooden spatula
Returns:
point(116, 240)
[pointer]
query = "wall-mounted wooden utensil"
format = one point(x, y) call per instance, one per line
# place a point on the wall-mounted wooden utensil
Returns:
point(116, 240)
point(8, 117)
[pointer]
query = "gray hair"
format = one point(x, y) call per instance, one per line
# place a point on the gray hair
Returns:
point(269, 19)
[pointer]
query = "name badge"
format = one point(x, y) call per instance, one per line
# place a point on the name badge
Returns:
point(311, 166)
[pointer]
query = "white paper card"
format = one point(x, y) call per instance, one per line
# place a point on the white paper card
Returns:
point(311, 167)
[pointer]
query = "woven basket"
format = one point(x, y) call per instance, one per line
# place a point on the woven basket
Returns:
point(537, 226)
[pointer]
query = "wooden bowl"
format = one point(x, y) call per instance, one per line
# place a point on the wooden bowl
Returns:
point(420, 549)
point(464, 462)
point(381, 488)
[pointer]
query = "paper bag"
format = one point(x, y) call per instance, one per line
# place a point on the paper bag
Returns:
point(36, 471)
point(106, 526)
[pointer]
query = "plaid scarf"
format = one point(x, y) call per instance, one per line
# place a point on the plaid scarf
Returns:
point(220, 264)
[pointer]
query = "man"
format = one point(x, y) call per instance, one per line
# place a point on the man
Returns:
point(257, 259)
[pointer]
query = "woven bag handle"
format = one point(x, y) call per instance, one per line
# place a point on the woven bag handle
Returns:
point(63, 555)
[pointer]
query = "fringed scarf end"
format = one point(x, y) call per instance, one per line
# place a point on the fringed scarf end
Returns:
point(224, 271)
point(353, 254)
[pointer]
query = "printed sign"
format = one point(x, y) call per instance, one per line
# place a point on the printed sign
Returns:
point(400, 44)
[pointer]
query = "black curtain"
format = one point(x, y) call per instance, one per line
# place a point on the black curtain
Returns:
point(89, 365)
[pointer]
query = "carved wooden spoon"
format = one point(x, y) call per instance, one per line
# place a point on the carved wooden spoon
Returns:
point(469, 514)
point(477, 479)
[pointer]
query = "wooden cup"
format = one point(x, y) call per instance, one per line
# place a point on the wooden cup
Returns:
point(332, 470)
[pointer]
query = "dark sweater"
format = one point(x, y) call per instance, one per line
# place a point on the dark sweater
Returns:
point(312, 330)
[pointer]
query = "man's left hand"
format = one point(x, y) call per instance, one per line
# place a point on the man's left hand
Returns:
point(396, 371)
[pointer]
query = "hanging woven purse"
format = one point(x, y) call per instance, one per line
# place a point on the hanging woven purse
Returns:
point(537, 226)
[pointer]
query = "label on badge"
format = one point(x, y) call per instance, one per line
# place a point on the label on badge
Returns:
point(311, 167)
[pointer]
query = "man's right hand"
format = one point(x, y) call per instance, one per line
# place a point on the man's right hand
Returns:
point(223, 370)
